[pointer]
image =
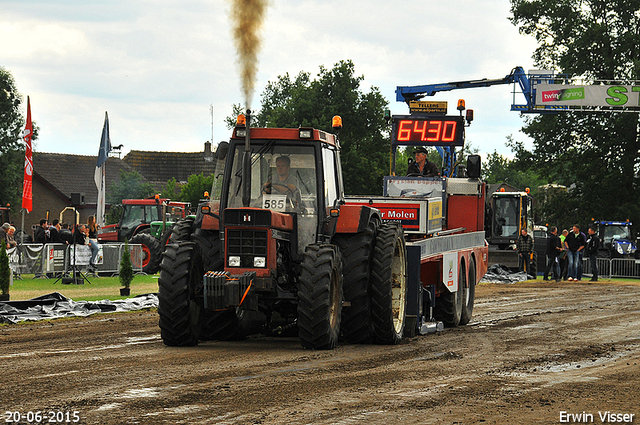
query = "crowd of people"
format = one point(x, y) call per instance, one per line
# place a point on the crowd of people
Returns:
point(564, 253)
point(57, 232)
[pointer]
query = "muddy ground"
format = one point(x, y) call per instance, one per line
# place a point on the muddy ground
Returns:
point(531, 352)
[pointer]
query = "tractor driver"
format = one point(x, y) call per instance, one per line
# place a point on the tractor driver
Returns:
point(422, 166)
point(285, 183)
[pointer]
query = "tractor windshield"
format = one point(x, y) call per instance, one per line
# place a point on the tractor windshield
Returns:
point(283, 179)
point(616, 232)
point(506, 216)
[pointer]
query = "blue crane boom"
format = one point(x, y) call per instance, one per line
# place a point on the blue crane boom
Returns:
point(526, 82)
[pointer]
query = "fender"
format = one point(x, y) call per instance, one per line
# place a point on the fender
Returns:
point(355, 218)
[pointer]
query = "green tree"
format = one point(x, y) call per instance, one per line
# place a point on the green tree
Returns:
point(303, 102)
point(171, 190)
point(194, 190)
point(597, 156)
point(12, 123)
point(131, 185)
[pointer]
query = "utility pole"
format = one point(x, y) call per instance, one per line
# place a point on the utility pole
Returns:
point(211, 109)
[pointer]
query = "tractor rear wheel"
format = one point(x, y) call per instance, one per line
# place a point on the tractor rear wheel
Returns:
point(388, 284)
point(449, 305)
point(469, 294)
point(181, 273)
point(151, 251)
point(320, 297)
point(181, 230)
point(356, 253)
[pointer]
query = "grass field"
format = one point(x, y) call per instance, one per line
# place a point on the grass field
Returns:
point(99, 288)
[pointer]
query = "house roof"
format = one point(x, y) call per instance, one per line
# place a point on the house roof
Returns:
point(66, 173)
point(160, 167)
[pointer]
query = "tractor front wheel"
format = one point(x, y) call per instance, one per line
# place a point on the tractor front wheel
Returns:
point(320, 297)
point(177, 305)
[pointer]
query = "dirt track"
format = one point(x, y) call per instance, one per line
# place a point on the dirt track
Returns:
point(531, 352)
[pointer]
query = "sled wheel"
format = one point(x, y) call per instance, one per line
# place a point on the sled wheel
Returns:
point(469, 294)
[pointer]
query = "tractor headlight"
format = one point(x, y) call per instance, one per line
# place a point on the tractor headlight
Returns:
point(234, 261)
point(259, 262)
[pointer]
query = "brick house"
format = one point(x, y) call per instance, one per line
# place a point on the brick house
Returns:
point(56, 176)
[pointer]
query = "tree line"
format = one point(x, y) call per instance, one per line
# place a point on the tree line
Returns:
point(596, 157)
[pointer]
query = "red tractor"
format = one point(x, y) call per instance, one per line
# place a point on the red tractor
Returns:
point(135, 226)
point(278, 246)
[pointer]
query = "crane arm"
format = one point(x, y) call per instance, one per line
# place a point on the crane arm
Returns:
point(410, 93)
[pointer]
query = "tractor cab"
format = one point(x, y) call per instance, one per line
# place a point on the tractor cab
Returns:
point(294, 181)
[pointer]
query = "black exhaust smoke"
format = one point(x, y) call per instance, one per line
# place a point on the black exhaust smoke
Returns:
point(246, 163)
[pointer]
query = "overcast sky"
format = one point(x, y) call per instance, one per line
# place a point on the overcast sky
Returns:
point(157, 66)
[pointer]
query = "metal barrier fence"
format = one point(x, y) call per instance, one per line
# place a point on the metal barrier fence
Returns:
point(614, 267)
point(53, 259)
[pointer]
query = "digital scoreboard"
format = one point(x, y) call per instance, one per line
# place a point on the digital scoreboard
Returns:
point(428, 130)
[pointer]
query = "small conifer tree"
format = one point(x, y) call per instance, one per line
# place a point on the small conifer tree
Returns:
point(5, 270)
point(126, 268)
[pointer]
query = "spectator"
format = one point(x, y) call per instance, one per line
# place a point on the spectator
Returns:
point(580, 256)
point(3, 231)
point(564, 261)
point(80, 235)
point(524, 246)
point(40, 234)
point(11, 242)
point(65, 234)
point(92, 233)
point(54, 231)
point(574, 242)
point(553, 248)
point(593, 245)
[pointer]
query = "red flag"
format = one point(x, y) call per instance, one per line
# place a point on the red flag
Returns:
point(27, 192)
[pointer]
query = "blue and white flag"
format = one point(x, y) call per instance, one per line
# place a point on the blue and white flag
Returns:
point(103, 154)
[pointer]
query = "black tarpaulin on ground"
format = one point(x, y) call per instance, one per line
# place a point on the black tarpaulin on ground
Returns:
point(497, 273)
point(56, 305)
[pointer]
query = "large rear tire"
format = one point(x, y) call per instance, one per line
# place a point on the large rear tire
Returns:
point(181, 230)
point(356, 250)
point(151, 252)
point(449, 305)
point(320, 297)
point(388, 284)
point(469, 294)
point(178, 309)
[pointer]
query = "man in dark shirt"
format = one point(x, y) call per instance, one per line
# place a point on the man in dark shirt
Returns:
point(524, 246)
point(574, 242)
point(54, 231)
point(593, 244)
point(40, 235)
point(65, 234)
point(422, 166)
point(553, 248)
